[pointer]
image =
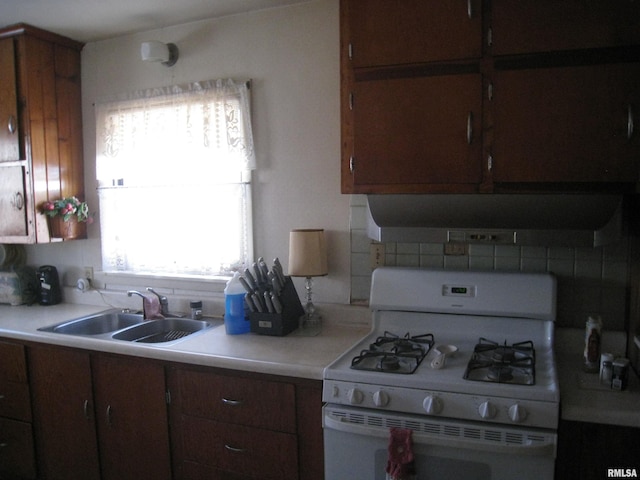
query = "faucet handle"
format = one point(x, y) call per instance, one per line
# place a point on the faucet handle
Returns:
point(164, 301)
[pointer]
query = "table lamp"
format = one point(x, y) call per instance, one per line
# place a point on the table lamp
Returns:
point(308, 258)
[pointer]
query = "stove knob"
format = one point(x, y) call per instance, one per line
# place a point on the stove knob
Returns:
point(517, 413)
point(380, 399)
point(487, 410)
point(432, 405)
point(355, 396)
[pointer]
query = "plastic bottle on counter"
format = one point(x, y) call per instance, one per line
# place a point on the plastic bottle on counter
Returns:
point(196, 309)
point(592, 342)
point(235, 314)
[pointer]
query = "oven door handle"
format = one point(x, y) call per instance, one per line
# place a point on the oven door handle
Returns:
point(546, 447)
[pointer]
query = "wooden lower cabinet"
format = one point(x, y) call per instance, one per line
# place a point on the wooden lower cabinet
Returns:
point(586, 451)
point(68, 413)
point(17, 456)
point(235, 425)
point(99, 416)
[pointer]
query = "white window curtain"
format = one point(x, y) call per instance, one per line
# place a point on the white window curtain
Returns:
point(174, 168)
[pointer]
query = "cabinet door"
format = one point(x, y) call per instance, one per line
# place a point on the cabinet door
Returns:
point(16, 450)
point(415, 131)
point(131, 414)
point(396, 32)
point(64, 413)
point(575, 124)
point(9, 140)
point(236, 400)
point(13, 208)
point(526, 26)
point(257, 453)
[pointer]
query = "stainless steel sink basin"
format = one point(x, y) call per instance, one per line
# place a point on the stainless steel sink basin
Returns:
point(130, 327)
point(160, 331)
point(97, 324)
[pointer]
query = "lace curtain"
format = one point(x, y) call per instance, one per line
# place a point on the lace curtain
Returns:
point(173, 169)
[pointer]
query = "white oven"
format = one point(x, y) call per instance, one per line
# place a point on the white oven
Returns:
point(485, 410)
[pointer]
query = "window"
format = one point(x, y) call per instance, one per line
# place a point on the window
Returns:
point(174, 171)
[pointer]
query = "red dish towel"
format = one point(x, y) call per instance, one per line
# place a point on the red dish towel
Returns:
point(151, 308)
point(400, 463)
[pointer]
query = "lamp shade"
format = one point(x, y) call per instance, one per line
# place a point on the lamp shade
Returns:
point(307, 253)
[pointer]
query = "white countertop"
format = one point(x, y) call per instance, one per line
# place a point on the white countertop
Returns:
point(582, 398)
point(292, 355)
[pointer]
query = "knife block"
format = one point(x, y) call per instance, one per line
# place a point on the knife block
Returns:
point(279, 324)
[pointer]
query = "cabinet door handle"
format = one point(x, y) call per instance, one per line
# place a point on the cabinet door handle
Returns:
point(469, 9)
point(4, 444)
point(470, 128)
point(234, 449)
point(18, 201)
point(11, 124)
point(1, 397)
point(232, 403)
point(85, 409)
point(109, 415)
point(629, 122)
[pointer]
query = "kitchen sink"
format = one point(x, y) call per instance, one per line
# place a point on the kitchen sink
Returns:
point(164, 330)
point(130, 327)
point(97, 324)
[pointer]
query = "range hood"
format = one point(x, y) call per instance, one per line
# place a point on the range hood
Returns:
point(573, 220)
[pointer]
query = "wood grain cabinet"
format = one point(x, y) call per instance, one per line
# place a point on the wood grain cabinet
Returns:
point(228, 425)
point(17, 456)
point(489, 96)
point(40, 129)
point(99, 416)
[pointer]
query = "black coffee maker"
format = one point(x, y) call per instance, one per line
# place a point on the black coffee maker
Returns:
point(50, 293)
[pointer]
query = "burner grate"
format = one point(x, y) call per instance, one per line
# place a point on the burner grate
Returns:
point(391, 353)
point(502, 363)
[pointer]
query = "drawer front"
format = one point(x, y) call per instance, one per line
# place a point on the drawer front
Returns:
point(13, 366)
point(15, 401)
point(235, 400)
point(17, 458)
point(249, 451)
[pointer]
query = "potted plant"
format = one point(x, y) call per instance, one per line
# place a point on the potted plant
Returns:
point(67, 217)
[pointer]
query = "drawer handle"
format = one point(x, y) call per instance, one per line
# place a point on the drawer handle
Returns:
point(629, 122)
point(18, 201)
point(11, 124)
point(4, 444)
point(85, 409)
point(470, 128)
point(234, 449)
point(1, 397)
point(233, 403)
point(109, 415)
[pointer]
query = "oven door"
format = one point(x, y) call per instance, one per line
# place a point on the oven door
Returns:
point(356, 442)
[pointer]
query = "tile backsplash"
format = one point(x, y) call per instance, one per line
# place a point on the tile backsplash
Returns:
point(590, 280)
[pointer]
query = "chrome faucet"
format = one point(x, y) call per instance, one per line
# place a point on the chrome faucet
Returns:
point(164, 302)
point(135, 292)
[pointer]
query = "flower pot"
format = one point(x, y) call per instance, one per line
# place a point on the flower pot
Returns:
point(69, 230)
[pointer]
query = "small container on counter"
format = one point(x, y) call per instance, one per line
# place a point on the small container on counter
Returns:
point(620, 374)
point(606, 368)
point(196, 309)
point(592, 344)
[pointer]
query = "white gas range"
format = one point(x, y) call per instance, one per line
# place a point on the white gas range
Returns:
point(495, 397)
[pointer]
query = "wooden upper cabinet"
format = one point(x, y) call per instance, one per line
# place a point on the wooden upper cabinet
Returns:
point(396, 32)
point(415, 131)
point(530, 26)
point(9, 139)
point(567, 125)
point(40, 88)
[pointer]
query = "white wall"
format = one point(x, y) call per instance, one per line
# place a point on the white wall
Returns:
point(292, 56)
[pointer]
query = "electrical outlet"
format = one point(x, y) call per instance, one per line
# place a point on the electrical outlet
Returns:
point(455, 248)
point(88, 274)
point(376, 255)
